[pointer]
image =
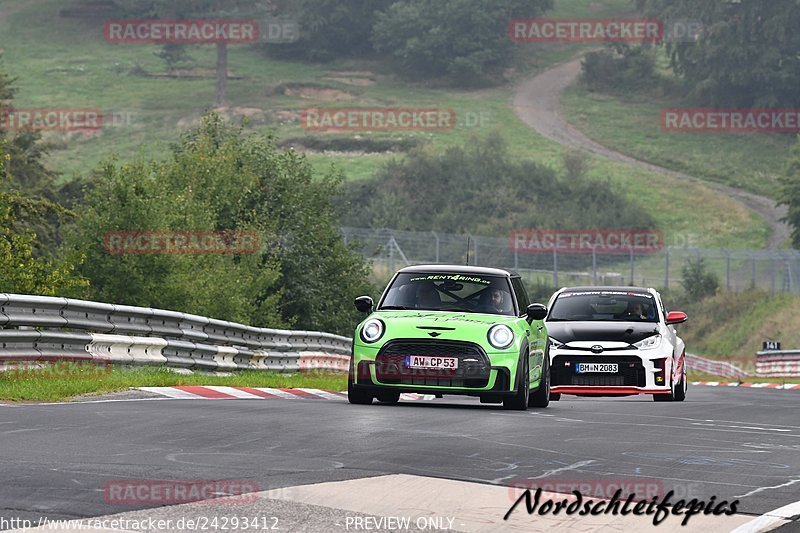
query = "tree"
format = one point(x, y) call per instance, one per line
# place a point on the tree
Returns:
point(746, 55)
point(329, 29)
point(790, 193)
point(26, 265)
point(219, 178)
point(698, 281)
point(197, 9)
point(466, 40)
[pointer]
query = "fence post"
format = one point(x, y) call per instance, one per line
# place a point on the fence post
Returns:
point(632, 272)
point(773, 274)
point(594, 265)
point(555, 268)
point(727, 269)
point(435, 236)
point(391, 254)
point(666, 269)
point(753, 259)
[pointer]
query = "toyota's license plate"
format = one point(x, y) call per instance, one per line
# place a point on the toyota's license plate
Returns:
point(445, 363)
point(596, 368)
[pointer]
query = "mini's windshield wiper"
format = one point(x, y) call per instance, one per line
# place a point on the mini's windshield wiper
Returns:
point(394, 308)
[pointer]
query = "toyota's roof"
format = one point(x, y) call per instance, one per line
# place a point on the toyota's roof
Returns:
point(606, 288)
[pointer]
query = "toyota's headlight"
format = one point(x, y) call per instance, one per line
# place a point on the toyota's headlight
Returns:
point(501, 336)
point(372, 331)
point(649, 343)
point(554, 344)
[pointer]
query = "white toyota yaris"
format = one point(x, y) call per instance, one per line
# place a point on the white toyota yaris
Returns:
point(615, 341)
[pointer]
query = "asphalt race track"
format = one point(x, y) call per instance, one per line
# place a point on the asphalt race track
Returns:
point(730, 443)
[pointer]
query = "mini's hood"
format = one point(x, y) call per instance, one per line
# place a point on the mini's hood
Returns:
point(441, 319)
point(630, 332)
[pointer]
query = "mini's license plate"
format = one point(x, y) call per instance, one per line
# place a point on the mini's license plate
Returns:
point(417, 361)
point(596, 368)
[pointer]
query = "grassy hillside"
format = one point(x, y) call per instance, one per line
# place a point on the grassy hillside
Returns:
point(631, 124)
point(734, 325)
point(70, 65)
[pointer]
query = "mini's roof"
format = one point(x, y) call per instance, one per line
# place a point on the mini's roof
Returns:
point(460, 269)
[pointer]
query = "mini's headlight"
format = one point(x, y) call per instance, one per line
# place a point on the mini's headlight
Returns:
point(372, 330)
point(501, 336)
point(649, 343)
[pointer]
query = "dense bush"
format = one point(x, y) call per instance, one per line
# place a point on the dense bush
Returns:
point(620, 68)
point(698, 281)
point(465, 40)
point(484, 190)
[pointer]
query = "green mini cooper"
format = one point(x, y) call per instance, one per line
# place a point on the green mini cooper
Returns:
point(452, 330)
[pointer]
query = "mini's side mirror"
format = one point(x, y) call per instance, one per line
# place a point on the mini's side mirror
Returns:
point(364, 304)
point(537, 312)
point(676, 317)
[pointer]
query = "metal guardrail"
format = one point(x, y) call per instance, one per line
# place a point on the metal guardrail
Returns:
point(40, 329)
point(714, 367)
point(782, 363)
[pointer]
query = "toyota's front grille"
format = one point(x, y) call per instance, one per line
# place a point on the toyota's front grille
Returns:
point(630, 372)
point(472, 372)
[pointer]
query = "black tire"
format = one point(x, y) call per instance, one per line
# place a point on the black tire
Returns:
point(356, 396)
point(541, 398)
point(679, 393)
point(519, 402)
point(388, 396)
point(555, 396)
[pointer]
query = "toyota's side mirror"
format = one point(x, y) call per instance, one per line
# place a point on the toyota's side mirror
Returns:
point(364, 304)
point(537, 312)
point(676, 317)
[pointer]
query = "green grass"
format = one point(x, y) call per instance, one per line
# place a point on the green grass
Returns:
point(65, 382)
point(72, 66)
point(631, 124)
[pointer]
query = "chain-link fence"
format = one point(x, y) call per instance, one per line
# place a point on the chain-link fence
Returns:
point(737, 270)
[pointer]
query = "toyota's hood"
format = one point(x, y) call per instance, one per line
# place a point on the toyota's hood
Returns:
point(630, 332)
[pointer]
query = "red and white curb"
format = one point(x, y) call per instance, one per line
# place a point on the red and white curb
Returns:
point(259, 393)
point(782, 386)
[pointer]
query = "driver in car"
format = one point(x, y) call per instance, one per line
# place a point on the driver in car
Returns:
point(636, 311)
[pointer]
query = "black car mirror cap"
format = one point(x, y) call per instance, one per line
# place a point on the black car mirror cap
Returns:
point(537, 312)
point(364, 304)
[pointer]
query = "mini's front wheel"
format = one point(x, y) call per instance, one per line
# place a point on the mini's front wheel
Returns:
point(388, 396)
point(354, 395)
point(519, 402)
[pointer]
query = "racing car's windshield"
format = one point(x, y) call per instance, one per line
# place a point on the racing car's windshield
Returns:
point(604, 306)
point(450, 292)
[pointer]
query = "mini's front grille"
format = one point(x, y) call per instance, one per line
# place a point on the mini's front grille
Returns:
point(630, 373)
point(472, 372)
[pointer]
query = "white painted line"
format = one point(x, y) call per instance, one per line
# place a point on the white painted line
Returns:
point(762, 489)
point(172, 392)
point(233, 391)
point(770, 520)
point(322, 394)
point(279, 393)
